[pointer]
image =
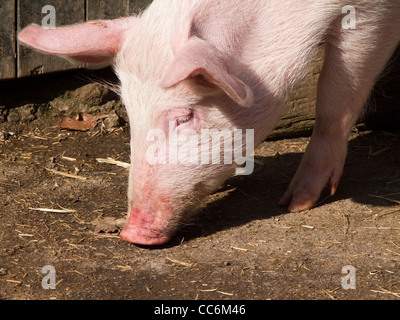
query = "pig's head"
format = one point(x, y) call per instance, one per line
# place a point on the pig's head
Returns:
point(179, 92)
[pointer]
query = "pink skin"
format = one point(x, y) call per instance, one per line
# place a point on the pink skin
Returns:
point(146, 228)
point(207, 64)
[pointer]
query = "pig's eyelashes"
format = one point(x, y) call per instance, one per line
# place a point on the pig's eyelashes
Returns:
point(183, 120)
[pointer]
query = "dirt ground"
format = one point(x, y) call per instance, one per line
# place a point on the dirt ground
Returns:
point(241, 246)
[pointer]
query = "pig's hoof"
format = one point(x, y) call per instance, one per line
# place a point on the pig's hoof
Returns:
point(321, 166)
point(298, 203)
point(301, 200)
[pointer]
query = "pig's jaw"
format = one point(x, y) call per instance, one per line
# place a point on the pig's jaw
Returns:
point(145, 228)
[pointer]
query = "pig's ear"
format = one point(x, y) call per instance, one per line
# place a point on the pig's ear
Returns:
point(198, 57)
point(94, 42)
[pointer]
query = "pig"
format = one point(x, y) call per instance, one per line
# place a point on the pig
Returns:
point(193, 65)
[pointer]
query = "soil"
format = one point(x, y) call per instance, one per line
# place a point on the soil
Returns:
point(241, 246)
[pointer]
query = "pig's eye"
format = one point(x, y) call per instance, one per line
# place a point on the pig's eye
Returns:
point(184, 119)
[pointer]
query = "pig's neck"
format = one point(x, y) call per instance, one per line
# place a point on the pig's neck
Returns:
point(276, 39)
point(273, 42)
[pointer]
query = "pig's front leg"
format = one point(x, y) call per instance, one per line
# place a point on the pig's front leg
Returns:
point(353, 61)
point(322, 165)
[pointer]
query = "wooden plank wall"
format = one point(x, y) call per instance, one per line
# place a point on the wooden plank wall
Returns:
point(107, 9)
point(7, 39)
point(19, 61)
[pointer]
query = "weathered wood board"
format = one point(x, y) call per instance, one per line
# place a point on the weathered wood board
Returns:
point(138, 6)
point(107, 9)
point(7, 39)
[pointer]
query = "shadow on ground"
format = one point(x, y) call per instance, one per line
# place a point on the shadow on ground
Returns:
point(370, 170)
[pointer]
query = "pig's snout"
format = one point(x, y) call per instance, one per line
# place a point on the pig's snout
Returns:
point(146, 228)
